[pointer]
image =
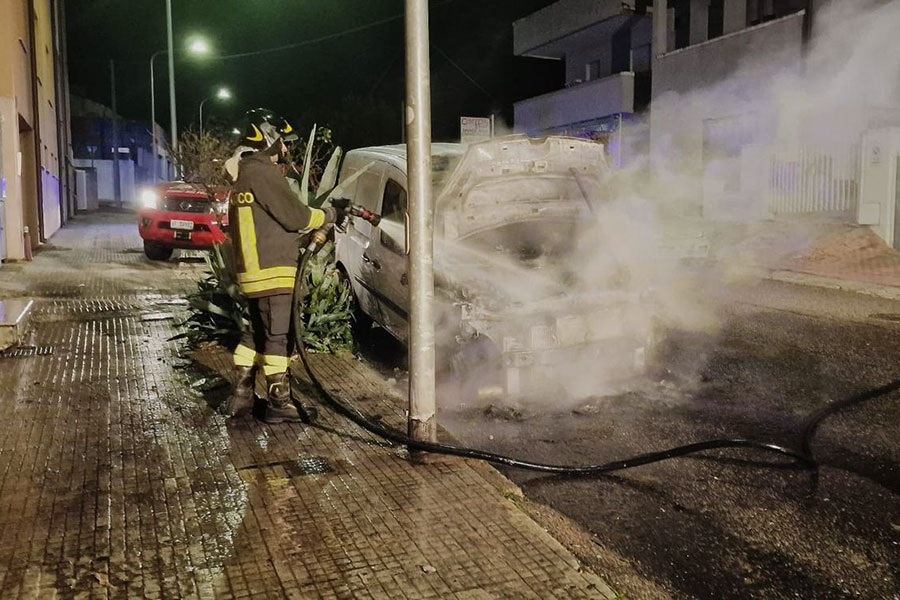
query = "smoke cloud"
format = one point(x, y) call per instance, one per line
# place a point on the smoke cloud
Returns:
point(635, 252)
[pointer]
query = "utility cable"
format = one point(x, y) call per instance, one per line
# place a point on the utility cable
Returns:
point(804, 456)
point(326, 37)
point(464, 74)
point(263, 51)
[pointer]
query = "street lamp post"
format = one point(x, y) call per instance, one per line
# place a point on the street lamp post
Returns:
point(198, 46)
point(222, 94)
point(421, 420)
point(153, 112)
point(172, 115)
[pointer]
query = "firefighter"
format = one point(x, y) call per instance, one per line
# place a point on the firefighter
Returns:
point(266, 222)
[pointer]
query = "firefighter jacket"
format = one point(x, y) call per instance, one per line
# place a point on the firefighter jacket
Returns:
point(266, 222)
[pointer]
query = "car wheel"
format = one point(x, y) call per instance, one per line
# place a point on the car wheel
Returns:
point(157, 251)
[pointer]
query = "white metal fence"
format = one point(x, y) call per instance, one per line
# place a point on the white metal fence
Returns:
point(814, 181)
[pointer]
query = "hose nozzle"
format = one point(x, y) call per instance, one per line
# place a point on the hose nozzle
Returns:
point(362, 213)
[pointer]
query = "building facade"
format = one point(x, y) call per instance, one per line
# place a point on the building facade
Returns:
point(763, 105)
point(94, 130)
point(34, 145)
point(606, 46)
point(712, 118)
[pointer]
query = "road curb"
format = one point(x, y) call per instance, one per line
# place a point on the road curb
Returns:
point(833, 283)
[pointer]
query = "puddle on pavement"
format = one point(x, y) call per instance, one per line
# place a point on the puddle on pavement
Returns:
point(157, 316)
point(300, 467)
point(26, 351)
point(309, 465)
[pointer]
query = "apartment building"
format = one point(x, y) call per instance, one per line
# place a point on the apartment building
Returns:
point(606, 47)
point(715, 64)
point(34, 144)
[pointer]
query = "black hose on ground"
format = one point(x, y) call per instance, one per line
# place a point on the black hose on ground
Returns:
point(804, 456)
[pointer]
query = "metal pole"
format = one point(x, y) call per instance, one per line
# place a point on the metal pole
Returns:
point(201, 115)
point(117, 183)
point(153, 116)
point(421, 424)
point(172, 111)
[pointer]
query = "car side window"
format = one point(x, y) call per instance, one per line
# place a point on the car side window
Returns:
point(393, 216)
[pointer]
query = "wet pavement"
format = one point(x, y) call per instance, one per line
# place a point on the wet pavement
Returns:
point(732, 524)
point(119, 480)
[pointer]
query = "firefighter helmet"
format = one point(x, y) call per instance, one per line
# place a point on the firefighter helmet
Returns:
point(264, 127)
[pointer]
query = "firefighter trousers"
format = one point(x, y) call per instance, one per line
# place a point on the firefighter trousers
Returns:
point(267, 341)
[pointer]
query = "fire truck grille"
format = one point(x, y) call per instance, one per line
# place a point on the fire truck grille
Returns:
point(187, 206)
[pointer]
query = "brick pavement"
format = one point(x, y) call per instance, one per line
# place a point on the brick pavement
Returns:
point(850, 252)
point(811, 245)
point(117, 479)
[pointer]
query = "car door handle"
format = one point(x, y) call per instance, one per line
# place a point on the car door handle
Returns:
point(404, 279)
point(375, 264)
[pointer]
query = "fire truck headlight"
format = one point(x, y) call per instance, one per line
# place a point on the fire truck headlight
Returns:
point(149, 198)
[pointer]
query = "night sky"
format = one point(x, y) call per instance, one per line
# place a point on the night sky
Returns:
point(353, 83)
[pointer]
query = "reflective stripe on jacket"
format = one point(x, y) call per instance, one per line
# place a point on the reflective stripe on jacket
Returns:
point(266, 221)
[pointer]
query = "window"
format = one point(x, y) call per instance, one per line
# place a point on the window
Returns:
point(641, 59)
point(367, 187)
point(716, 19)
point(393, 212)
point(394, 206)
point(682, 22)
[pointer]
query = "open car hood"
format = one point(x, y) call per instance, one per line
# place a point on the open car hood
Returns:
point(517, 178)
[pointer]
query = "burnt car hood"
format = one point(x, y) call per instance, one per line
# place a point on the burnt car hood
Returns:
point(518, 178)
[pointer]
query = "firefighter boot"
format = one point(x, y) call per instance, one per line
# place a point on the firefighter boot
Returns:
point(241, 399)
point(279, 406)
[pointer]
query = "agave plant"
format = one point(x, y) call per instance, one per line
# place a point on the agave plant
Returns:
point(219, 313)
point(328, 310)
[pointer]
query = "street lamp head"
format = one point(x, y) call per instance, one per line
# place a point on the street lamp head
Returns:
point(223, 94)
point(199, 46)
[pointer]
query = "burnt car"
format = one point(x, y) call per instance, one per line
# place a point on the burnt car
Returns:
point(528, 296)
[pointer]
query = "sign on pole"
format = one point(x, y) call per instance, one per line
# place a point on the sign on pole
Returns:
point(475, 129)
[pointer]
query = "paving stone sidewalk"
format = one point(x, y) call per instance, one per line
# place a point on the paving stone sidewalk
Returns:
point(119, 480)
point(852, 253)
point(810, 250)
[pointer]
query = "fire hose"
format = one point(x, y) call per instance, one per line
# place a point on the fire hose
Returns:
point(804, 456)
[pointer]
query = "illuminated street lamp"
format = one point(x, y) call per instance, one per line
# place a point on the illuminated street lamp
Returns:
point(197, 46)
point(222, 94)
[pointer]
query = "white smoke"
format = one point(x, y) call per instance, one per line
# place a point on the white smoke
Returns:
point(847, 81)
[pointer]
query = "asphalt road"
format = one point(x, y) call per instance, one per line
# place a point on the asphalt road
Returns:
point(734, 523)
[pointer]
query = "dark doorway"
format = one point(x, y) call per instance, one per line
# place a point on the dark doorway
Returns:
point(29, 182)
